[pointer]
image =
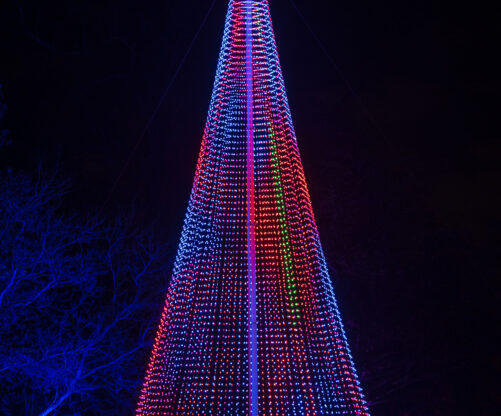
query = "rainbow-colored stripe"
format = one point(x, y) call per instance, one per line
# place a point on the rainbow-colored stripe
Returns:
point(250, 324)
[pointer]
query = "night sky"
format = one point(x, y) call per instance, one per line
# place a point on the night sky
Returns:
point(395, 106)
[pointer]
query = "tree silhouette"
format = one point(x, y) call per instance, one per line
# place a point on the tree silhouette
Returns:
point(77, 301)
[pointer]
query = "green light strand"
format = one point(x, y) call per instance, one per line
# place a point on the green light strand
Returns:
point(284, 232)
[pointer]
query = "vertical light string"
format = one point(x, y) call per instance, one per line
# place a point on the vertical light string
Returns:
point(251, 223)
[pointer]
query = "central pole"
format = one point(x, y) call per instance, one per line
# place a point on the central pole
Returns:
point(251, 234)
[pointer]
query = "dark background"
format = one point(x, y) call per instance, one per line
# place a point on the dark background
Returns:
point(395, 106)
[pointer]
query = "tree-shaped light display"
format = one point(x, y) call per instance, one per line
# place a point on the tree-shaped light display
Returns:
point(250, 324)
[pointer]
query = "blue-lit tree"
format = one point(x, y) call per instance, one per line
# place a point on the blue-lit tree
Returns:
point(74, 294)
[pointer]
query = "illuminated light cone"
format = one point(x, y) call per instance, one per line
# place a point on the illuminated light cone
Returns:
point(250, 324)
